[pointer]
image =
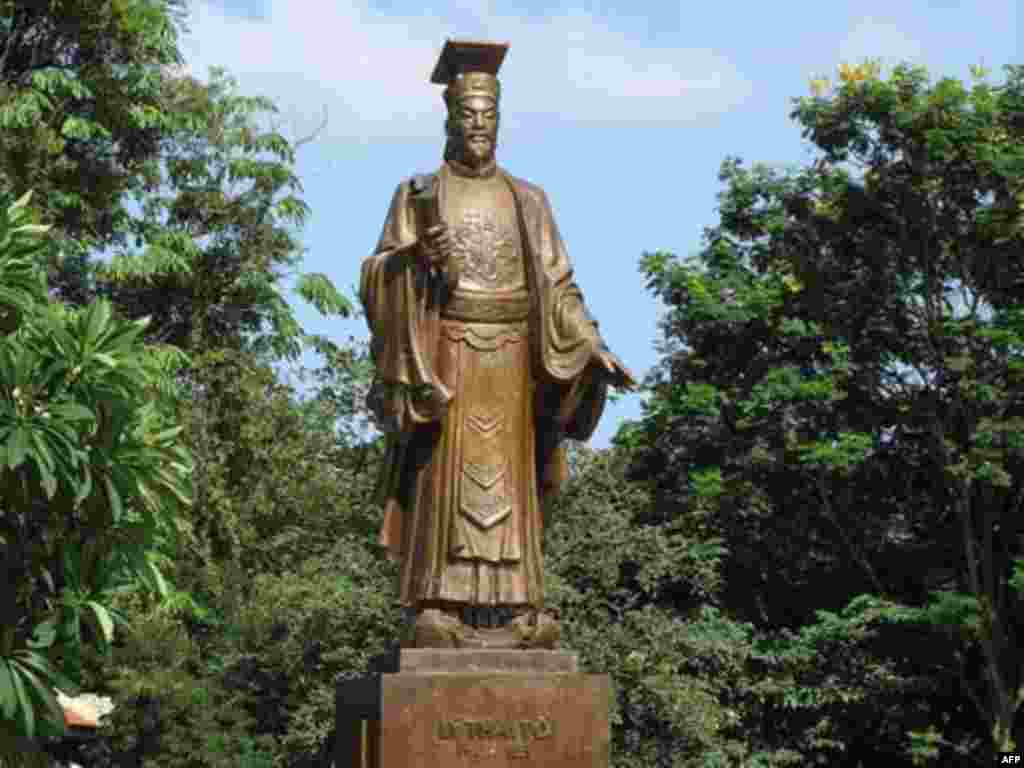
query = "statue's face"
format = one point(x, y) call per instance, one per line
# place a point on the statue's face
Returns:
point(473, 130)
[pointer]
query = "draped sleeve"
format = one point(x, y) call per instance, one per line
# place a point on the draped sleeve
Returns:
point(572, 388)
point(565, 335)
point(401, 302)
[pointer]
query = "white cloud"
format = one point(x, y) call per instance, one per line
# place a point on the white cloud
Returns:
point(371, 70)
point(872, 38)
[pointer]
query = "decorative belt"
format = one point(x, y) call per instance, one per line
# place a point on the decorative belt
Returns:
point(481, 307)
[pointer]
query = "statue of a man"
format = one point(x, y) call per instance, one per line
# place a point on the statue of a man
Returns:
point(486, 360)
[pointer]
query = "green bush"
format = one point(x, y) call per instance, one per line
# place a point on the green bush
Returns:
point(91, 474)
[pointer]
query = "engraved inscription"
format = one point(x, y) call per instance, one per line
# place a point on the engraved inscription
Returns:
point(468, 732)
point(485, 250)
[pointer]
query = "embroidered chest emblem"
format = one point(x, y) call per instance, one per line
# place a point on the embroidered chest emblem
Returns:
point(486, 250)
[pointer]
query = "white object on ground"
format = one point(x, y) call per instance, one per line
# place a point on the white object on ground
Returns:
point(85, 710)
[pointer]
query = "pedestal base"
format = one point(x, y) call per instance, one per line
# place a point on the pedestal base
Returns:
point(506, 709)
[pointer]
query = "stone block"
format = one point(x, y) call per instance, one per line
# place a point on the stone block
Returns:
point(500, 709)
point(462, 660)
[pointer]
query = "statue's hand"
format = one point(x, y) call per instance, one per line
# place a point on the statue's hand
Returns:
point(620, 375)
point(437, 246)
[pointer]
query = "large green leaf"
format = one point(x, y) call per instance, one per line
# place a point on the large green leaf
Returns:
point(71, 624)
point(96, 320)
point(152, 576)
point(103, 620)
point(175, 486)
point(84, 486)
point(72, 561)
point(168, 434)
point(52, 371)
point(71, 411)
point(47, 671)
point(17, 446)
point(106, 359)
point(13, 298)
point(46, 465)
point(43, 455)
point(122, 337)
point(20, 204)
point(41, 693)
point(113, 499)
point(25, 708)
point(8, 695)
point(43, 635)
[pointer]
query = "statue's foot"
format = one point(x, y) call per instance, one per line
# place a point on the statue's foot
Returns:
point(536, 629)
point(435, 628)
point(528, 629)
point(500, 638)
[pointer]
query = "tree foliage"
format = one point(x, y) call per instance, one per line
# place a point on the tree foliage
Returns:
point(217, 239)
point(840, 392)
point(92, 475)
point(82, 112)
point(279, 590)
point(172, 203)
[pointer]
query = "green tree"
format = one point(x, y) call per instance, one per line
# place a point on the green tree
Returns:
point(210, 260)
point(82, 112)
point(290, 595)
point(91, 476)
point(193, 197)
point(217, 241)
point(622, 590)
point(841, 396)
point(99, 119)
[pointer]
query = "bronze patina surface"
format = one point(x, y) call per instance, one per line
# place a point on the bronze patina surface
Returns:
point(486, 360)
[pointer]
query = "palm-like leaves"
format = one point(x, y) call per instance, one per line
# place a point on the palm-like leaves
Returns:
point(21, 281)
point(91, 473)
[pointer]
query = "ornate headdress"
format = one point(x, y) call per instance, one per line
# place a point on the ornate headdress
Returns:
point(469, 68)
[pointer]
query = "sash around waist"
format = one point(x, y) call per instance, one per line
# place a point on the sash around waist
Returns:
point(487, 307)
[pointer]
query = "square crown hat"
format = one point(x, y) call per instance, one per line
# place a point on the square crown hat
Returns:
point(469, 67)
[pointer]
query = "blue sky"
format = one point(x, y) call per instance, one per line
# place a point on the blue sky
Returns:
point(622, 111)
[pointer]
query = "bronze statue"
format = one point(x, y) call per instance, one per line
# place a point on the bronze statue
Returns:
point(486, 360)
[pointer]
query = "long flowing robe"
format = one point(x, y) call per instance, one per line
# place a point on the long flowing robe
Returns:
point(476, 394)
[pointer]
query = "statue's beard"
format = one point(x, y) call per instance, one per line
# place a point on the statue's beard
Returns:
point(470, 152)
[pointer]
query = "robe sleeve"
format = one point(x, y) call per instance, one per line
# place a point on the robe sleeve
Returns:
point(569, 339)
point(402, 311)
point(573, 388)
point(401, 304)
point(572, 408)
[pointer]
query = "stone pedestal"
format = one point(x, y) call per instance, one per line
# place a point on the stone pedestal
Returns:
point(500, 709)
